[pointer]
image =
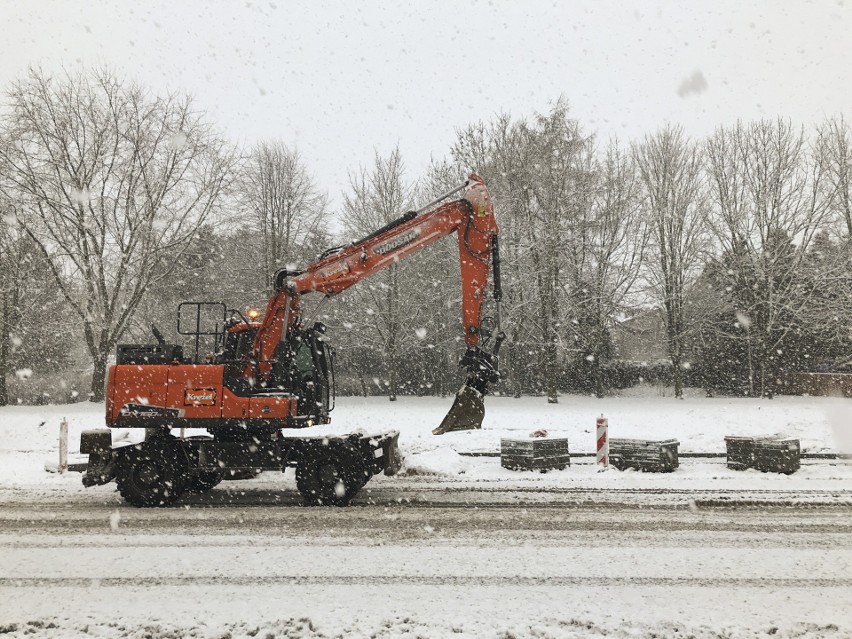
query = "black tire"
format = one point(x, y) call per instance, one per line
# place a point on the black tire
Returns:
point(153, 473)
point(204, 480)
point(360, 473)
point(330, 478)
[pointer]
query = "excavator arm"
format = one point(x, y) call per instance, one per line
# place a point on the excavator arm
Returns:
point(472, 219)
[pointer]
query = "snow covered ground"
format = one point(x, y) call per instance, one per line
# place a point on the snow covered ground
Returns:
point(29, 436)
point(455, 547)
point(423, 571)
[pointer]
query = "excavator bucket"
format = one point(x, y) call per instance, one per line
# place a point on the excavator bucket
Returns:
point(466, 413)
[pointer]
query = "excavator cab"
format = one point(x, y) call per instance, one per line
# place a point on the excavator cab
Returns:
point(306, 369)
point(302, 366)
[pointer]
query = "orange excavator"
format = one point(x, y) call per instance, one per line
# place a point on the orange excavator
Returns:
point(278, 373)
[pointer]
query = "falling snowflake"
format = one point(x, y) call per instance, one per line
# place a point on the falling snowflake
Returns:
point(177, 140)
point(695, 84)
point(80, 196)
point(743, 320)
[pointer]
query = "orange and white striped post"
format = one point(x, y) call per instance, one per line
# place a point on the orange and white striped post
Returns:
point(603, 442)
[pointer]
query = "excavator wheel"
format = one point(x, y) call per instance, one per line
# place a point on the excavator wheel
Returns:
point(199, 481)
point(332, 478)
point(153, 473)
point(203, 481)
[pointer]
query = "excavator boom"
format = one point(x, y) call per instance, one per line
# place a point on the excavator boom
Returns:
point(472, 219)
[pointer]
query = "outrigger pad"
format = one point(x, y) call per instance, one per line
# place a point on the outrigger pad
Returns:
point(466, 413)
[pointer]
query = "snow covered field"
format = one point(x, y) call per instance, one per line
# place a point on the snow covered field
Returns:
point(29, 435)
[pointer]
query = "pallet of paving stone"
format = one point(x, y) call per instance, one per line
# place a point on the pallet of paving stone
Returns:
point(650, 456)
point(536, 453)
point(766, 454)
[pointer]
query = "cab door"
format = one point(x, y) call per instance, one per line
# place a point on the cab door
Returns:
point(309, 376)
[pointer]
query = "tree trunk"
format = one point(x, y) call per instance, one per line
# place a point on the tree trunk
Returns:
point(393, 330)
point(677, 374)
point(677, 370)
point(392, 378)
point(550, 355)
point(596, 372)
point(392, 365)
point(98, 379)
point(511, 366)
point(750, 365)
point(4, 350)
point(767, 373)
point(550, 370)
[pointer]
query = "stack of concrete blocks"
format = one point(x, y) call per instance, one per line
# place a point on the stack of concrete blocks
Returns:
point(535, 453)
point(645, 455)
point(766, 454)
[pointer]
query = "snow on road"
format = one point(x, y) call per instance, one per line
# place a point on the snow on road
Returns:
point(425, 571)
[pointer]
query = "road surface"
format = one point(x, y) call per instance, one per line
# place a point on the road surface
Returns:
point(440, 563)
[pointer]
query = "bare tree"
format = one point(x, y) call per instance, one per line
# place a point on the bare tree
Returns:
point(555, 193)
point(607, 248)
point(108, 179)
point(10, 288)
point(770, 201)
point(671, 170)
point(286, 207)
point(834, 150)
point(571, 240)
point(388, 314)
point(34, 328)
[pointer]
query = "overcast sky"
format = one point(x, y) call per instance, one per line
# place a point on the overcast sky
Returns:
point(342, 79)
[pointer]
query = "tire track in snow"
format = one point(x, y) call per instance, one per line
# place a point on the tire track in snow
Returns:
point(404, 580)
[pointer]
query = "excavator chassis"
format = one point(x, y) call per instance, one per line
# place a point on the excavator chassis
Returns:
point(330, 469)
